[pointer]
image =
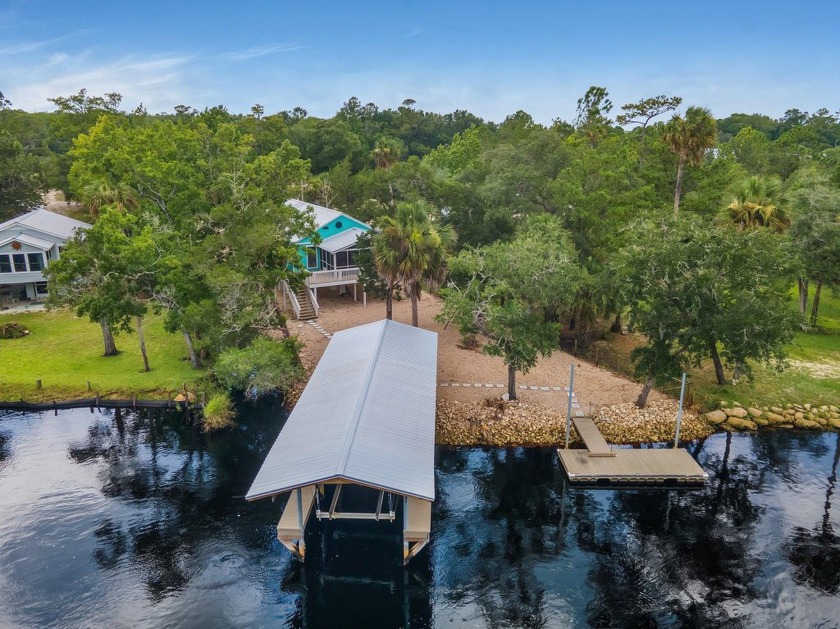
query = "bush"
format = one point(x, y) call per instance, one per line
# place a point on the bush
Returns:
point(262, 368)
point(218, 413)
point(12, 331)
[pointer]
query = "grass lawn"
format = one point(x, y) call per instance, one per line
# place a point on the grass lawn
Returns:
point(813, 375)
point(65, 352)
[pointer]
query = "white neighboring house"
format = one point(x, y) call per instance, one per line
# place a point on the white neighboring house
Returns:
point(27, 245)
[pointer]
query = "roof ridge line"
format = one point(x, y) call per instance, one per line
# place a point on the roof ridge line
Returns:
point(357, 411)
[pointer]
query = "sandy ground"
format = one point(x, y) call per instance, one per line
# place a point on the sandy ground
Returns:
point(54, 201)
point(595, 387)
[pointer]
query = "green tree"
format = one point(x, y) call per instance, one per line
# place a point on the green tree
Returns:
point(689, 137)
point(264, 367)
point(99, 194)
point(593, 111)
point(815, 235)
point(759, 202)
point(697, 293)
point(410, 248)
point(512, 293)
point(642, 112)
point(102, 272)
point(21, 178)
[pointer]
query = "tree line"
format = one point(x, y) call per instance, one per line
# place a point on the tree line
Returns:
point(690, 229)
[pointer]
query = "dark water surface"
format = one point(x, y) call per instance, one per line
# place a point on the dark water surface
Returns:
point(140, 522)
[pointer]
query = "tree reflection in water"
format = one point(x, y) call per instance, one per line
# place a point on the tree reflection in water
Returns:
point(680, 554)
point(5, 449)
point(177, 486)
point(512, 545)
point(815, 553)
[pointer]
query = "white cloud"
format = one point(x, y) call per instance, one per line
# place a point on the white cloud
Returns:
point(261, 51)
point(157, 82)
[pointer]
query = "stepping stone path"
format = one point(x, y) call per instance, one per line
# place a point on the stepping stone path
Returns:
point(576, 408)
point(318, 327)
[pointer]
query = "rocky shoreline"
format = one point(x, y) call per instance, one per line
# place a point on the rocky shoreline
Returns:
point(807, 416)
point(497, 423)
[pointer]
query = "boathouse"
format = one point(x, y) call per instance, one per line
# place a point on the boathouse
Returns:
point(366, 418)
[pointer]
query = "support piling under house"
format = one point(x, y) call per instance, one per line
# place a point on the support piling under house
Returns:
point(366, 418)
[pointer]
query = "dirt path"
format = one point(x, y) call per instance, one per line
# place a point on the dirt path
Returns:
point(595, 387)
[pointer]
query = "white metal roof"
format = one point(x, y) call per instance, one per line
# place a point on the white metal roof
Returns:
point(323, 215)
point(28, 239)
point(367, 416)
point(43, 220)
point(341, 241)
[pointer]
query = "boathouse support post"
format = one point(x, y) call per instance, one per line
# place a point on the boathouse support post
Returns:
point(569, 408)
point(679, 411)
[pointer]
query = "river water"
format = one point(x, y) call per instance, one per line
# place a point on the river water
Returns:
point(138, 521)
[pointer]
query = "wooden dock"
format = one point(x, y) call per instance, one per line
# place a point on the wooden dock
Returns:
point(600, 465)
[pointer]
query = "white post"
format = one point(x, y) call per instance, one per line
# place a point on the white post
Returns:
point(569, 408)
point(679, 412)
point(355, 286)
point(364, 298)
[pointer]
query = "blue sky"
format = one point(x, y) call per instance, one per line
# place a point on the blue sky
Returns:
point(491, 58)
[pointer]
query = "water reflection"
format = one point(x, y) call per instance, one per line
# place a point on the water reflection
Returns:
point(815, 552)
point(140, 518)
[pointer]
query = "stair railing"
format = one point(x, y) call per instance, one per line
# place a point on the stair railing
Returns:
point(289, 294)
point(314, 301)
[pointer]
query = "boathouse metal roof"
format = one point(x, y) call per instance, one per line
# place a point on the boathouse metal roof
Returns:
point(367, 416)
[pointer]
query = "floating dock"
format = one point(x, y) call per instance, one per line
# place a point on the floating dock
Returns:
point(601, 465)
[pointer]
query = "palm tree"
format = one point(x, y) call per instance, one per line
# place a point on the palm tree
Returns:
point(759, 202)
point(689, 137)
point(411, 249)
point(386, 152)
point(100, 193)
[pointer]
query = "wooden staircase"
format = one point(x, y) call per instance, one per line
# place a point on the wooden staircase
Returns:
point(307, 308)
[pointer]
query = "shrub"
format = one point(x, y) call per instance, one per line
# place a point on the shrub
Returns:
point(264, 367)
point(218, 412)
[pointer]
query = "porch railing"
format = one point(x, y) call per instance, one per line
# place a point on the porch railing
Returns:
point(333, 276)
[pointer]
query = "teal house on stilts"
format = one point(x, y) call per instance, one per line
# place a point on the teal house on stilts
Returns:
point(329, 258)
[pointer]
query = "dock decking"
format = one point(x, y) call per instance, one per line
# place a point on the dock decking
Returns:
point(660, 466)
point(601, 465)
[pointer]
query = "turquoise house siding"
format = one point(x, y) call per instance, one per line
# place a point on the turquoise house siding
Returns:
point(336, 226)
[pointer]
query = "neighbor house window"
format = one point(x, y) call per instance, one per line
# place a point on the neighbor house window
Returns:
point(5, 263)
point(36, 261)
point(311, 260)
point(41, 288)
point(20, 262)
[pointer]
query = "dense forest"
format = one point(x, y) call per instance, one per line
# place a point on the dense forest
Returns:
point(691, 229)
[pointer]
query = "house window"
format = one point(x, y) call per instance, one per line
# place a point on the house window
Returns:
point(338, 224)
point(5, 263)
point(311, 259)
point(20, 262)
point(36, 261)
point(41, 288)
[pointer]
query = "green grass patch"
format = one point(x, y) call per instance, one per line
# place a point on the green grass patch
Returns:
point(813, 375)
point(65, 352)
